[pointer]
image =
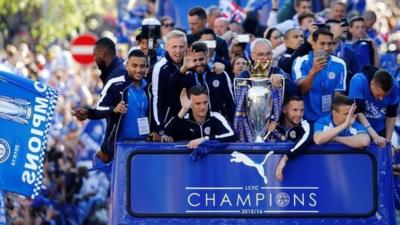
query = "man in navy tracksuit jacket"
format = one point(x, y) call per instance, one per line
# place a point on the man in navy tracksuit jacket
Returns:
point(107, 61)
point(195, 72)
point(165, 100)
point(113, 74)
point(196, 123)
point(112, 69)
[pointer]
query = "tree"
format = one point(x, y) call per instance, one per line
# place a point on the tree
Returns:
point(49, 20)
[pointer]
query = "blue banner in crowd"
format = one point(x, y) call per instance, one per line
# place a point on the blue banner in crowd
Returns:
point(90, 139)
point(26, 111)
point(329, 184)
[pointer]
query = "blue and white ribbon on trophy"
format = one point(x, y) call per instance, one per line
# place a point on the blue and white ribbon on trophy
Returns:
point(241, 124)
point(26, 112)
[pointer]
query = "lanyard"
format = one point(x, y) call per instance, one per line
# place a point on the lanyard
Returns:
point(325, 79)
point(197, 79)
point(141, 104)
point(211, 60)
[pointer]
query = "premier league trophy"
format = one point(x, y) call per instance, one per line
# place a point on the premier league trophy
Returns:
point(15, 109)
point(256, 101)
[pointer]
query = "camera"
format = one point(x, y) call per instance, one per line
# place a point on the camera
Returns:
point(151, 30)
point(321, 54)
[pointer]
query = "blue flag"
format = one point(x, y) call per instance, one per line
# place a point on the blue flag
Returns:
point(26, 111)
point(90, 139)
point(2, 210)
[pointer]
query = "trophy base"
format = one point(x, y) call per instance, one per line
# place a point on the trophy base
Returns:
point(259, 139)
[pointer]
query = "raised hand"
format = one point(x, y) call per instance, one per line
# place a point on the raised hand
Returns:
point(271, 126)
point(185, 101)
point(351, 117)
point(188, 61)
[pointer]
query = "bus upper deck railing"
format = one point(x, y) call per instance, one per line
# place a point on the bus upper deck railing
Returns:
point(330, 184)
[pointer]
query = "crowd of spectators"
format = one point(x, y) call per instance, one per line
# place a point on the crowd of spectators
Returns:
point(71, 194)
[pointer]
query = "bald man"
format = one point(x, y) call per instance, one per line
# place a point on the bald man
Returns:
point(221, 26)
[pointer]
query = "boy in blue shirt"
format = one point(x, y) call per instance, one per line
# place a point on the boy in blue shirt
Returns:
point(377, 97)
point(340, 125)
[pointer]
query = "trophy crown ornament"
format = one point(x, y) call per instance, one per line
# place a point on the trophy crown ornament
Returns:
point(259, 71)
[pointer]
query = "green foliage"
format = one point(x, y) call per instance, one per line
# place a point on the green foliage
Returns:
point(49, 20)
point(8, 7)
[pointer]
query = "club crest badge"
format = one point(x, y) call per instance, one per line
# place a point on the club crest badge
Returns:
point(331, 75)
point(216, 83)
point(207, 130)
point(4, 150)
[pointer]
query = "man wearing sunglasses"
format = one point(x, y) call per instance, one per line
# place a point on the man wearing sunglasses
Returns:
point(167, 25)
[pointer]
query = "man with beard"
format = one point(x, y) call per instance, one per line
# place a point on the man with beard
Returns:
point(106, 59)
point(134, 104)
point(319, 76)
point(127, 105)
point(291, 128)
point(196, 72)
point(112, 72)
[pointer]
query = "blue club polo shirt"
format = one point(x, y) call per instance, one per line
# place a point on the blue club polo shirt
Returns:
point(330, 79)
point(375, 110)
point(138, 105)
point(325, 123)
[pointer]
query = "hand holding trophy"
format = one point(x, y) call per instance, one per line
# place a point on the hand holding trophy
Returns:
point(257, 100)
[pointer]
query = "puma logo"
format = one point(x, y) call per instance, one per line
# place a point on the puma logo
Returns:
point(238, 157)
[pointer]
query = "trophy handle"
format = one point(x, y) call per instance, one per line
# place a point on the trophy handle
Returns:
point(245, 82)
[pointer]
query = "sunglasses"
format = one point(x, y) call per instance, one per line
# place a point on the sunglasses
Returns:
point(168, 24)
